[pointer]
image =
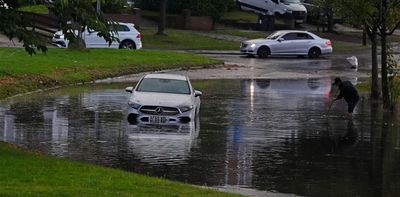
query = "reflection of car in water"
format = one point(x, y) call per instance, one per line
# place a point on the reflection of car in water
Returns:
point(312, 86)
point(163, 99)
point(168, 144)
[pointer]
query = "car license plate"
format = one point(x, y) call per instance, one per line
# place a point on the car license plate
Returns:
point(158, 119)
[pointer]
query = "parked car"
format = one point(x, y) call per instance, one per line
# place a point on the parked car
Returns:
point(163, 99)
point(300, 43)
point(291, 8)
point(128, 36)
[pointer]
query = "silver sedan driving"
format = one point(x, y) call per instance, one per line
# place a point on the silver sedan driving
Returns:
point(299, 43)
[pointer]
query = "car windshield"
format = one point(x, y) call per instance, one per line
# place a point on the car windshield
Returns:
point(164, 86)
point(274, 35)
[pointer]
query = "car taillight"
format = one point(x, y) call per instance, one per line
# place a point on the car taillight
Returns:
point(139, 36)
point(328, 43)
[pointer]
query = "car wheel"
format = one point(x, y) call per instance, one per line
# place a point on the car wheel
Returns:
point(263, 52)
point(127, 44)
point(314, 52)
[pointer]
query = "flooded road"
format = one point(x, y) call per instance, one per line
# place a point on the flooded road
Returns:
point(266, 135)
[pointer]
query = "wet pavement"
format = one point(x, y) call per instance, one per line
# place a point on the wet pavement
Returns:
point(260, 137)
point(243, 67)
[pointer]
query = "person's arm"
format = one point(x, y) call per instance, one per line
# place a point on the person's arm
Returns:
point(340, 96)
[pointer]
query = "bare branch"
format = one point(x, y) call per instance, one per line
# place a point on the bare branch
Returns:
point(394, 29)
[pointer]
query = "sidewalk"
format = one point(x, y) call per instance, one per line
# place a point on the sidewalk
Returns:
point(5, 42)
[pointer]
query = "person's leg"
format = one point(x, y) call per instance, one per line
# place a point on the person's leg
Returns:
point(351, 105)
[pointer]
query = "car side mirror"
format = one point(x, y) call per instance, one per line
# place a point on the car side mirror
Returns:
point(197, 93)
point(129, 89)
point(281, 39)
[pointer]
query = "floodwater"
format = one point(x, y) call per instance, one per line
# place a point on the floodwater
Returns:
point(266, 135)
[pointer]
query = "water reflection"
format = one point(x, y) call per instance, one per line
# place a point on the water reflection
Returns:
point(269, 135)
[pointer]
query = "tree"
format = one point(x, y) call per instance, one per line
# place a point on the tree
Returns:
point(327, 7)
point(13, 25)
point(77, 15)
point(379, 18)
point(364, 14)
point(390, 21)
point(163, 17)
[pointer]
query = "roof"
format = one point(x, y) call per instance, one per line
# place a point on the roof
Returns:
point(166, 76)
point(293, 31)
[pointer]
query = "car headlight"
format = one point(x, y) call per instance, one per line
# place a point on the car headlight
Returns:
point(186, 108)
point(134, 105)
point(253, 45)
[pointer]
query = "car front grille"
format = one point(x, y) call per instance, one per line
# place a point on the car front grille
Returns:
point(299, 14)
point(244, 45)
point(158, 110)
point(56, 36)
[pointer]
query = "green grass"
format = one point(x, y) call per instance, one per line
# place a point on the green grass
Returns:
point(39, 9)
point(24, 173)
point(183, 40)
point(20, 72)
point(240, 16)
point(341, 46)
point(244, 33)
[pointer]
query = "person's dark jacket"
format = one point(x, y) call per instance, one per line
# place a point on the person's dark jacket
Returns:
point(348, 92)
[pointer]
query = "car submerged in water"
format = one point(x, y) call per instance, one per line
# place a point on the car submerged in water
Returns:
point(163, 99)
point(288, 42)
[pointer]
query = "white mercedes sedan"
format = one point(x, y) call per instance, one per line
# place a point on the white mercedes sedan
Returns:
point(163, 99)
point(289, 42)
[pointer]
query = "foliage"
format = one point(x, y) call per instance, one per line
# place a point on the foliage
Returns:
point(13, 25)
point(394, 79)
point(76, 15)
point(213, 8)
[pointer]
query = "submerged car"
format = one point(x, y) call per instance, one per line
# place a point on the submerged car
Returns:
point(129, 38)
point(163, 99)
point(298, 43)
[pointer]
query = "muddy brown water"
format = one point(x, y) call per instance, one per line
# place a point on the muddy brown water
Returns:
point(267, 135)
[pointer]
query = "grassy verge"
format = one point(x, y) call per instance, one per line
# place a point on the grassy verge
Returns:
point(20, 72)
point(342, 46)
point(244, 33)
point(23, 173)
point(181, 40)
point(38, 9)
point(240, 16)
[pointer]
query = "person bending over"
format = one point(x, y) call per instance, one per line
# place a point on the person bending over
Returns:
point(349, 93)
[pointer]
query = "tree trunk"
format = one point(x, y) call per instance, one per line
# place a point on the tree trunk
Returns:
point(374, 70)
point(163, 16)
point(384, 72)
point(364, 37)
point(330, 20)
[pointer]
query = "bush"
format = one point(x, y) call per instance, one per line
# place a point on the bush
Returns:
point(213, 8)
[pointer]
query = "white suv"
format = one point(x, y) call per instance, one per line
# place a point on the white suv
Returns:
point(128, 36)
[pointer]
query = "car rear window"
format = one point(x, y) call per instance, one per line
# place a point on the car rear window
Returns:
point(164, 86)
point(120, 28)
